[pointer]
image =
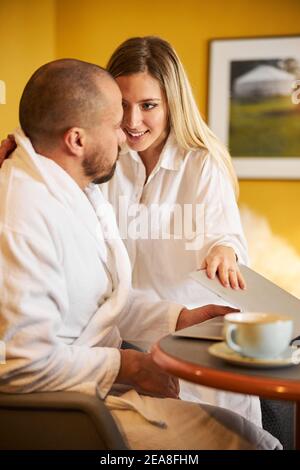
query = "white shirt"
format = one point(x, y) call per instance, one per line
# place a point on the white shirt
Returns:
point(182, 183)
point(163, 254)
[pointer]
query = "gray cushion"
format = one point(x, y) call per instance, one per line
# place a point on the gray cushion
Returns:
point(278, 418)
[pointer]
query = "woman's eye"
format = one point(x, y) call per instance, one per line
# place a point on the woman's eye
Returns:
point(148, 106)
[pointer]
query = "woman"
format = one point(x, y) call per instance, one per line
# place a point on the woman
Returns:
point(177, 188)
point(174, 160)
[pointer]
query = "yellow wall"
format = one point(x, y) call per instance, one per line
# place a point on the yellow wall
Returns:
point(27, 40)
point(34, 31)
point(91, 29)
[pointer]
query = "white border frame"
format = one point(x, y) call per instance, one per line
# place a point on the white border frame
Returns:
point(222, 52)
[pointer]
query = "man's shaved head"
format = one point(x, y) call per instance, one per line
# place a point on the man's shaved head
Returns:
point(60, 95)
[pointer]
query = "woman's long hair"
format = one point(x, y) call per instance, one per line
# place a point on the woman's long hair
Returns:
point(157, 57)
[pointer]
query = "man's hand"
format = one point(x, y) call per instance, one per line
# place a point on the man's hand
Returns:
point(221, 260)
point(139, 370)
point(197, 315)
point(8, 145)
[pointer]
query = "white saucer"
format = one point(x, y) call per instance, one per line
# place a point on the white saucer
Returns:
point(222, 351)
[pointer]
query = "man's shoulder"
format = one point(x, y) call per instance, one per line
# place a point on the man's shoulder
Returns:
point(25, 202)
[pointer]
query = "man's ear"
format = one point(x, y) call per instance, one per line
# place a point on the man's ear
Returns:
point(75, 139)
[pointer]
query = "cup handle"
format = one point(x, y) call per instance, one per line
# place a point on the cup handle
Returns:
point(229, 339)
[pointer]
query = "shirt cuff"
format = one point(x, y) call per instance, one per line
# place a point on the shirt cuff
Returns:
point(173, 314)
point(113, 367)
point(228, 244)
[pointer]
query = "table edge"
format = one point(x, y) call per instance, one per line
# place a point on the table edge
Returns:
point(232, 381)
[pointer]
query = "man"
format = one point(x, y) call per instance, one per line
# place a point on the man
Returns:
point(65, 274)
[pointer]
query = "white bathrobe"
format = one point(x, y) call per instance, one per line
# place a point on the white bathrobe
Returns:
point(64, 283)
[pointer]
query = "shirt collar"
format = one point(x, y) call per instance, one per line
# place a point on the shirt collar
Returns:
point(171, 157)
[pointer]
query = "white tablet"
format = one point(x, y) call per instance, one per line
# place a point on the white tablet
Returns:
point(261, 295)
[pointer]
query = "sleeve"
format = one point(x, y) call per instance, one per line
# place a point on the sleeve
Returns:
point(33, 301)
point(144, 321)
point(221, 218)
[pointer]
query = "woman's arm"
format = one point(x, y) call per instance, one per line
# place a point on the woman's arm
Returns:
point(224, 243)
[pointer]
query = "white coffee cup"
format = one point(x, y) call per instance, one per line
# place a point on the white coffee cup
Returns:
point(258, 335)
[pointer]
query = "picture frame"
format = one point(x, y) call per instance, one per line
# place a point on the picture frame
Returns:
point(254, 104)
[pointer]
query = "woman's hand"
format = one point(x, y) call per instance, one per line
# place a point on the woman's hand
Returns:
point(8, 145)
point(221, 260)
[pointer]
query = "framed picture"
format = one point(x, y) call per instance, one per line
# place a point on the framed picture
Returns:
point(254, 104)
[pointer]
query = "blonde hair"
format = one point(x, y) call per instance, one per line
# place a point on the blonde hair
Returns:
point(157, 57)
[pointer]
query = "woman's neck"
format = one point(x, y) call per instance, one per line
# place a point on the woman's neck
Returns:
point(151, 155)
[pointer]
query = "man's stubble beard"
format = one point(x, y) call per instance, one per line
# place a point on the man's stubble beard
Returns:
point(92, 169)
point(107, 177)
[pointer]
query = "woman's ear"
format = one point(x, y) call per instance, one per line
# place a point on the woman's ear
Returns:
point(75, 139)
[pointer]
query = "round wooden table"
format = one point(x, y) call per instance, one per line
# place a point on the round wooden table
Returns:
point(189, 359)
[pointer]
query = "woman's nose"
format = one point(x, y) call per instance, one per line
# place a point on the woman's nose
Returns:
point(132, 117)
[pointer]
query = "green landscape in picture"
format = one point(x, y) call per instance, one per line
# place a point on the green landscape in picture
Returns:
point(267, 127)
